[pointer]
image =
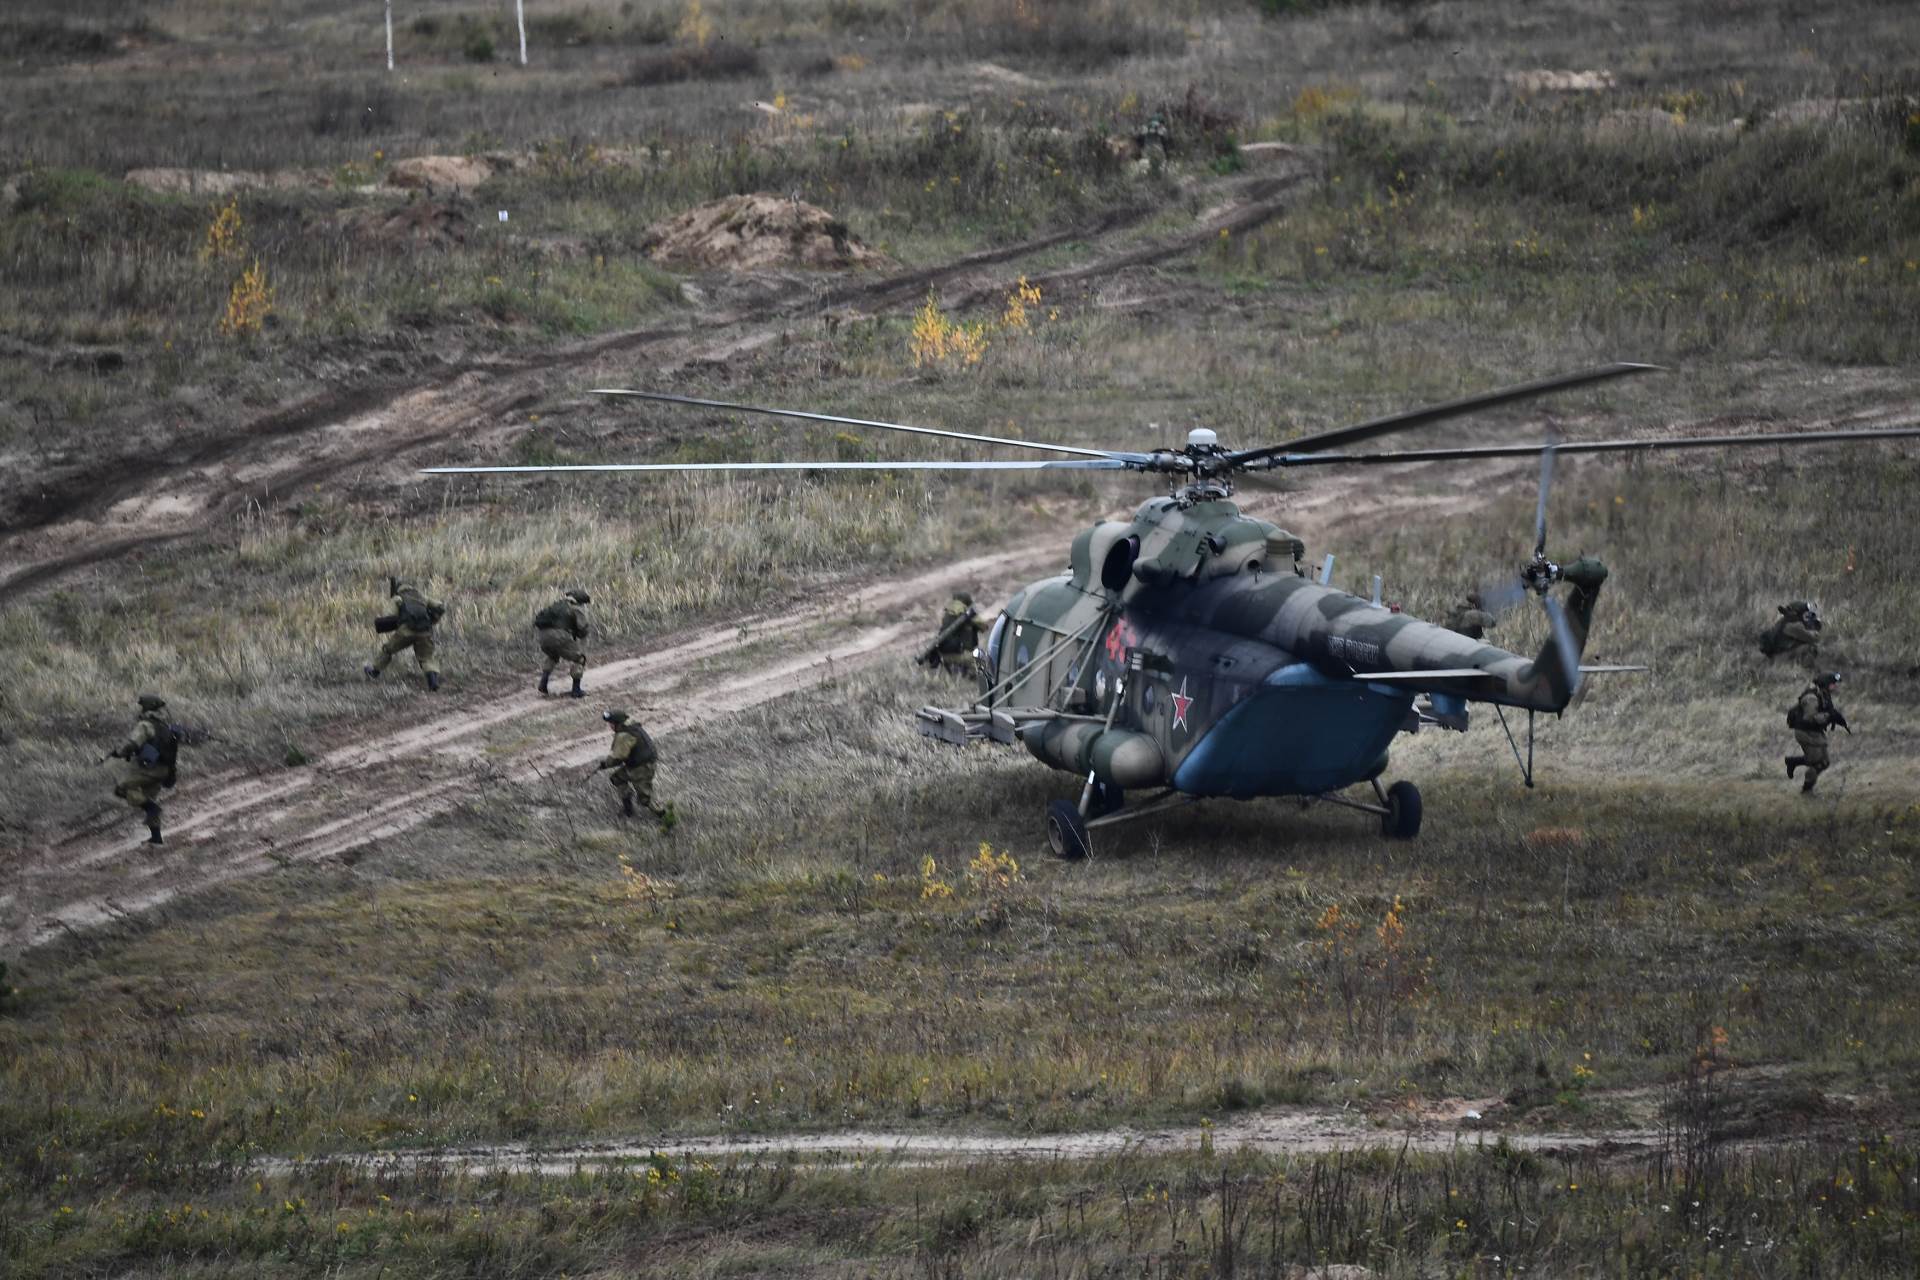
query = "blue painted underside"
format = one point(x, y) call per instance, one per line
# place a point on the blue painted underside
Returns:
point(1301, 733)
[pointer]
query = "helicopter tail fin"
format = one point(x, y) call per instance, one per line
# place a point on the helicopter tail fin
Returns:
point(1552, 680)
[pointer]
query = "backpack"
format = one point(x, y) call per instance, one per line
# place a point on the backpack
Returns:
point(416, 614)
point(1794, 720)
point(643, 751)
point(164, 750)
point(551, 616)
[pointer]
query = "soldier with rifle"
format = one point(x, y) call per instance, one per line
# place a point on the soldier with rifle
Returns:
point(150, 751)
point(1469, 617)
point(1810, 717)
point(953, 648)
point(562, 626)
point(1796, 630)
point(409, 626)
point(633, 757)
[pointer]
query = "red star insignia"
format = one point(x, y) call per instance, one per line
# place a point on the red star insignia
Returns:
point(1181, 705)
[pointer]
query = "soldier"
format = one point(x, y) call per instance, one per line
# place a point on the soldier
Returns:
point(1795, 631)
point(1469, 618)
point(959, 635)
point(632, 759)
point(1810, 718)
point(562, 626)
point(150, 752)
point(411, 623)
point(1154, 142)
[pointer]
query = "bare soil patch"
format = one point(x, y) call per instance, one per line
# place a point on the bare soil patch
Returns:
point(754, 232)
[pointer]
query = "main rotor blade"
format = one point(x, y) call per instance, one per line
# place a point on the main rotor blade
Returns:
point(1595, 446)
point(865, 422)
point(1095, 464)
point(1438, 412)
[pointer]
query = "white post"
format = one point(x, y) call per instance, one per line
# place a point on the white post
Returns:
point(1326, 570)
point(520, 13)
point(389, 35)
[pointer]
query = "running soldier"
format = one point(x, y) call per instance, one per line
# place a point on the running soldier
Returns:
point(150, 751)
point(1810, 718)
point(562, 627)
point(633, 757)
point(411, 626)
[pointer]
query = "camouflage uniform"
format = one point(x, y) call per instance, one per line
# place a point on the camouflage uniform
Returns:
point(632, 757)
point(959, 635)
point(560, 638)
point(1797, 630)
point(1468, 618)
point(1155, 140)
point(408, 599)
point(145, 777)
point(1816, 715)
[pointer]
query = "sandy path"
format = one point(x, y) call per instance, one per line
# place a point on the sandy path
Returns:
point(116, 509)
point(1298, 1131)
point(382, 786)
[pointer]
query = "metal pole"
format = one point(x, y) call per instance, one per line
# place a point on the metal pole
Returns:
point(389, 35)
point(520, 13)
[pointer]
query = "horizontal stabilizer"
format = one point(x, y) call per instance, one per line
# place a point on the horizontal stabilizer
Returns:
point(1602, 671)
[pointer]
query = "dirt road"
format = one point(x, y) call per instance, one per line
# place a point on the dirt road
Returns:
point(380, 787)
point(1292, 1131)
point(114, 509)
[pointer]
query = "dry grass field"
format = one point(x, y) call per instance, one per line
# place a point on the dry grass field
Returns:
point(250, 281)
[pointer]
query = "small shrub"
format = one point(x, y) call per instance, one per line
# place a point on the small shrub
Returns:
point(295, 757)
point(249, 303)
point(478, 46)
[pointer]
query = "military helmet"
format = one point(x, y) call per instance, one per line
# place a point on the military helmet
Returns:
point(615, 717)
point(579, 597)
point(1473, 598)
point(1828, 679)
point(964, 598)
point(151, 702)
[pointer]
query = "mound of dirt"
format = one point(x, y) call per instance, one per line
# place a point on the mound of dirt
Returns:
point(1545, 80)
point(742, 233)
point(416, 224)
point(443, 173)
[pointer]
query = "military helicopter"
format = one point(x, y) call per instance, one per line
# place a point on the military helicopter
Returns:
point(1187, 652)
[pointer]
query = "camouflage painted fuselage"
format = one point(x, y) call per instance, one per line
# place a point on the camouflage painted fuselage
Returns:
point(1234, 674)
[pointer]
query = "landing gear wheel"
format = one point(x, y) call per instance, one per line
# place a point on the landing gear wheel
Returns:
point(1401, 821)
point(1067, 831)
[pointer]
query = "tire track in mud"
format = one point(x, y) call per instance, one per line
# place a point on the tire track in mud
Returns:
point(381, 787)
point(83, 520)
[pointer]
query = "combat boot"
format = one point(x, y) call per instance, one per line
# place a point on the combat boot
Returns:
point(577, 691)
point(372, 673)
point(1813, 776)
point(152, 811)
point(433, 682)
point(1794, 762)
point(626, 804)
point(543, 682)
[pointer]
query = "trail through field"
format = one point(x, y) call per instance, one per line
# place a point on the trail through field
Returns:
point(1285, 1131)
point(140, 503)
point(379, 787)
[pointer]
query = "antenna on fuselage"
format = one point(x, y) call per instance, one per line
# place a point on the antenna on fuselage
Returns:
point(1376, 591)
point(1326, 570)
